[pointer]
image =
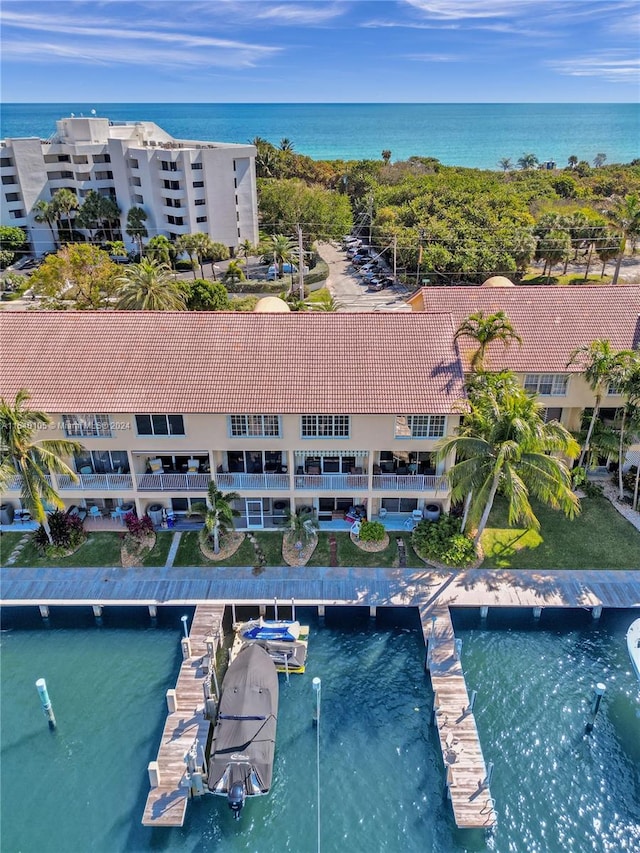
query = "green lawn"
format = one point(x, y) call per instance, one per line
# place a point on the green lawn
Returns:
point(189, 553)
point(8, 542)
point(599, 538)
point(320, 556)
point(157, 556)
point(99, 549)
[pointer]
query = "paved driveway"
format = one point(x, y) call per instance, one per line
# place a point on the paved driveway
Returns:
point(350, 291)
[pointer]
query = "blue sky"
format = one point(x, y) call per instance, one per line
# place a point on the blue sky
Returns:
point(298, 51)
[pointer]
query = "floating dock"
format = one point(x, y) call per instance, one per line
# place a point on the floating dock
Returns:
point(186, 726)
point(466, 777)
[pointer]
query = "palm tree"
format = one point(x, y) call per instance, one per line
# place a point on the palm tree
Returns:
point(187, 244)
point(150, 286)
point(600, 366)
point(284, 250)
point(246, 250)
point(484, 330)
point(33, 460)
point(109, 217)
point(286, 144)
point(234, 272)
point(572, 161)
point(161, 249)
point(626, 378)
point(46, 212)
point(135, 228)
point(598, 160)
point(553, 248)
point(64, 203)
point(625, 218)
point(218, 513)
point(302, 527)
point(528, 161)
point(505, 164)
point(386, 155)
point(90, 214)
point(502, 448)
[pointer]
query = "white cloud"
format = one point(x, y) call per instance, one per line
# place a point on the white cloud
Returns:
point(291, 13)
point(463, 9)
point(434, 57)
point(616, 66)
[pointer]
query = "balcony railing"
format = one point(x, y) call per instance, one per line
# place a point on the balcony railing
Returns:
point(408, 482)
point(335, 482)
point(15, 483)
point(101, 482)
point(173, 482)
point(252, 481)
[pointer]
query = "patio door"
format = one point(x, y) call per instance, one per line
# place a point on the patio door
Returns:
point(255, 516)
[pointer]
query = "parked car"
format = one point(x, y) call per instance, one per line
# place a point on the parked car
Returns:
point(272, 272)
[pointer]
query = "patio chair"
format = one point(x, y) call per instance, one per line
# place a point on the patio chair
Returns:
point(95, 512)
point(193, 466)
point(155, 465)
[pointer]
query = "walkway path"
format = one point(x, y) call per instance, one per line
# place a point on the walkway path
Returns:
point(355, 586)
point(173, 550)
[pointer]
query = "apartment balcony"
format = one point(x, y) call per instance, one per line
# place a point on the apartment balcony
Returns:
point(173, 482)
point(15, 483)
point(97, 482)
point(408, 482)
point(331, 482)
point(264, 482)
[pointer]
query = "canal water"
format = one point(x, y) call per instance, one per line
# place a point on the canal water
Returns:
point(83, 787)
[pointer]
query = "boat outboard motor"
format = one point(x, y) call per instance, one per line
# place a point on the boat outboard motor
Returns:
point(235, 799)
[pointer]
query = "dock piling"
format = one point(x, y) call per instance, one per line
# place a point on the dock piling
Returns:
point(47, 707)
point(97, 612)
point(537, 612)
point(596, 613)
point(472, 702)
point(153, 611)
point(275, 609)
point(598, 693)
point(484, 612)
point(486, 782)
point(44, 610)
point(172, 701)
point(154, 774)
point(293, 610)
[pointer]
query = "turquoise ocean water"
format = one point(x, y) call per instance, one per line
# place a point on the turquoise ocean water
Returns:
point(477, 135)
point(83, 787)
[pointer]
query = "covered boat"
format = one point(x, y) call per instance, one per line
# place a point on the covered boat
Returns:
point(244, 737)
point(269, 629)
point(633, 644)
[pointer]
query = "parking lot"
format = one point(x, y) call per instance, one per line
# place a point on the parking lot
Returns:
point(349, 289)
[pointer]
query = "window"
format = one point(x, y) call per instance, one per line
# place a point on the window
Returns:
point(138, 199)
point(16, 214)
point(102, 158)
point(87, 425)
point(254, 425)
point(83, 176)
point(175, 220)
point(201, 218)
point(196, 166)
point(546, 384)
point(133, 163)
point(160, 424)
point(200, 201)
point(104, 176)
point(169, 166)
point(325, 426)
point(420, 426)
point(13, 196)
point(552, 414)
point(103, 462)
point(613, 390)
point(9, 179)
point(5, 162)
point(171, 185)
point(198, 184)
point(172, 202)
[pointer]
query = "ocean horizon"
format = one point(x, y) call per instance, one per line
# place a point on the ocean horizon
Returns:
point(470, 135)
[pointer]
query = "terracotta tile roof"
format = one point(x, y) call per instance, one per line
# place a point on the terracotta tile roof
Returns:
point(552, 321)
point(182, 362)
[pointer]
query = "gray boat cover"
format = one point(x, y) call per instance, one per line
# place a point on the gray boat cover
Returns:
point(244, 737)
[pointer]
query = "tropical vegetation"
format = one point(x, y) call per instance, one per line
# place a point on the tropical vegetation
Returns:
point(150, 286)
point(32, 459)
point(218, 514)
point(79, 276)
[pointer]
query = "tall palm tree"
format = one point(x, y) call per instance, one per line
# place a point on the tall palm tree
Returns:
point(553, 247)
point(187, 244)
point(505, 164)
point(303, 527)
point(284, 249)
point(218, 513)
point(502, 448)
point(528, 161)
point(32, 460)
point(46, 212)
point(386, 155)
point(135, 227)
point(600, 365)
point(286, 144)
point(109, 217)
point(150, 286)
point(246, 249)
point(90, 214)
point(484, 330)
point(626, 378)
point(64, 203)
point(625, 220)
point(572, 161)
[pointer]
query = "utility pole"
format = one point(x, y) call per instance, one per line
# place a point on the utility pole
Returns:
point(370, 215)
point(422, 236)
point(395, 257)
point(300, 263)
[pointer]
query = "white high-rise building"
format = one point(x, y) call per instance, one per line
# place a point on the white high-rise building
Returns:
point(184, 186)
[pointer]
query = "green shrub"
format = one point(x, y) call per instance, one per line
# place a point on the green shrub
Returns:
point(372, 531)
point(66, 531)
point(184, 265)
point(441, 540)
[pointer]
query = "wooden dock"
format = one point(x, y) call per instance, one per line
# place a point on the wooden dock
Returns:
point(167, 801)
point(465, 770)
